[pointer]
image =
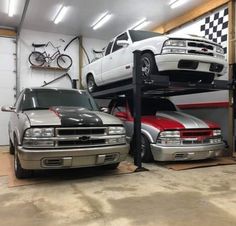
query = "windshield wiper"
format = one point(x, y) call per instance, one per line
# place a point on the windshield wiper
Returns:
point(37, 108)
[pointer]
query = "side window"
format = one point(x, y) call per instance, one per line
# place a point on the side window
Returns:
point(124, 36)
point(118, 107)
point(108, 49)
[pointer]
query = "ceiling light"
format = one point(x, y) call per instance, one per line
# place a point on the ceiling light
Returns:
point(60, 14)
point(105, 17)
point(176, 3)
point(140, 24)
point(11, 7)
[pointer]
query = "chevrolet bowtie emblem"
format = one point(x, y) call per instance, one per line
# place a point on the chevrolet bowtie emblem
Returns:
point(84, 138)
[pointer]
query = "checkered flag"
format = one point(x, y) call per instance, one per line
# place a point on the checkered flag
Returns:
point(215, 28)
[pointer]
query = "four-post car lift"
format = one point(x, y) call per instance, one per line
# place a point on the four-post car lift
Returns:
point(156, 85)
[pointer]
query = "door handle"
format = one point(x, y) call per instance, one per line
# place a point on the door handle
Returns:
point(110, 58)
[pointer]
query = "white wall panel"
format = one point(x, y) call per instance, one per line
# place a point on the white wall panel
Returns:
point(7, 83)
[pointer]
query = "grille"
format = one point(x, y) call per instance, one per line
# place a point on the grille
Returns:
point(201, 48)
point(81, 143)
point(78, 131)
point(201, 45)
point(196, 133)
point(81, 136)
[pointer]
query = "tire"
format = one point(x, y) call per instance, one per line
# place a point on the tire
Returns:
point(64, 61)
point(148, 65)
point(111, 166)
point(19, 171)
point(91, 85)
point(11, 147)
point(146, 153)
point(37, 59)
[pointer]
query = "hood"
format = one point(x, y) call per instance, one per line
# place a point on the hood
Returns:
point(42, 118)
point(191, 37)
point(70, 116)
point(175, 120)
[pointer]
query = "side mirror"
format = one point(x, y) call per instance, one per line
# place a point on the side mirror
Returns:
point(121, 115)
point(123, 43)
point(105, 110)
point(8, 109)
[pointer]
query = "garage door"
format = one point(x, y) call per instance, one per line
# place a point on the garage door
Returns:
point(7, 82)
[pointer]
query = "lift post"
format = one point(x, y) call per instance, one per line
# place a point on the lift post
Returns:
point(137, 83)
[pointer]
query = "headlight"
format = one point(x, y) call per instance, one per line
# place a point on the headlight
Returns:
point(116, 130)
point(217, 132)
point(177, 43)
point(219, 50)
point(39, 132)
point(170, 134)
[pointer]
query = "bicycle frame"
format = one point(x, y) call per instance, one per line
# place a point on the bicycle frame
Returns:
point(51, 58)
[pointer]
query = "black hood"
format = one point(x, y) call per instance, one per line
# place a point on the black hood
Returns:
point(76, 116)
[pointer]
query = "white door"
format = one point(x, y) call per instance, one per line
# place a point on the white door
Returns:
point(118, 65)
point(7, 83)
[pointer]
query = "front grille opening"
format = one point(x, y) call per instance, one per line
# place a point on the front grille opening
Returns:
point(81, 143)
point(179, 156)
point(71, 132)
point(216, 67)
point(53, 162)
point(200, 52)
point(110, 158)
point(188, 64)
point(200, 45)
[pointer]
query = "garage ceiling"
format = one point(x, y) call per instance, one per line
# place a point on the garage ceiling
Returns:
point(82, 13)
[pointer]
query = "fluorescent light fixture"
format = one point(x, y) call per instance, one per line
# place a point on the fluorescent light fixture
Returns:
point(60, 14)
point(104, 18)
point(176, 3)
point(140, 24)
point(11, 7)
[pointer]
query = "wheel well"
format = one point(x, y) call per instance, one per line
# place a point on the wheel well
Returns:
point(148, 51)
point(88, 76)
point(153, 55)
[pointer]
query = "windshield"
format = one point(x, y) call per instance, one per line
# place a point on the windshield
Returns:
point(141, 35)
point(151, 106)
point(46, 98)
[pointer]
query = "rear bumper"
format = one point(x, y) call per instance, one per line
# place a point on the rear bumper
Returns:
point(71, 158)
point(181, 153)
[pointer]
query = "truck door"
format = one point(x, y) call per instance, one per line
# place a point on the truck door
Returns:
point(118, 66)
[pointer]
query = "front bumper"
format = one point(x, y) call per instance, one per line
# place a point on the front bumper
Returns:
point(71, 158)
point(170, 62)
point(182, 153)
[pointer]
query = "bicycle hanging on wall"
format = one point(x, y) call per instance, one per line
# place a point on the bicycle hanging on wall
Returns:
point(40, 59)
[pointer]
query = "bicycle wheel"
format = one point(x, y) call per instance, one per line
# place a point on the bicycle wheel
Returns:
point(64, 61)
point(36, 58)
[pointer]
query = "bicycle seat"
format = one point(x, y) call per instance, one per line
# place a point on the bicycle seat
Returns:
point(38, 45)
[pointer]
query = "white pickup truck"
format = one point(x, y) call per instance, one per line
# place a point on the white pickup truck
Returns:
point(183, 58)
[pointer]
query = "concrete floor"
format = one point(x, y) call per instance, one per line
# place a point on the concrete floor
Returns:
point(159, 197)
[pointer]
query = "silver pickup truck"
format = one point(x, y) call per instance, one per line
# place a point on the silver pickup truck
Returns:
point(53, 128)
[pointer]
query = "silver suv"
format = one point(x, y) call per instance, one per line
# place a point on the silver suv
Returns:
point(54, 128)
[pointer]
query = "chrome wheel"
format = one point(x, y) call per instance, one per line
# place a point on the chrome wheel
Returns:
point(143, 148)
point(146, 66)
point(91, 85)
